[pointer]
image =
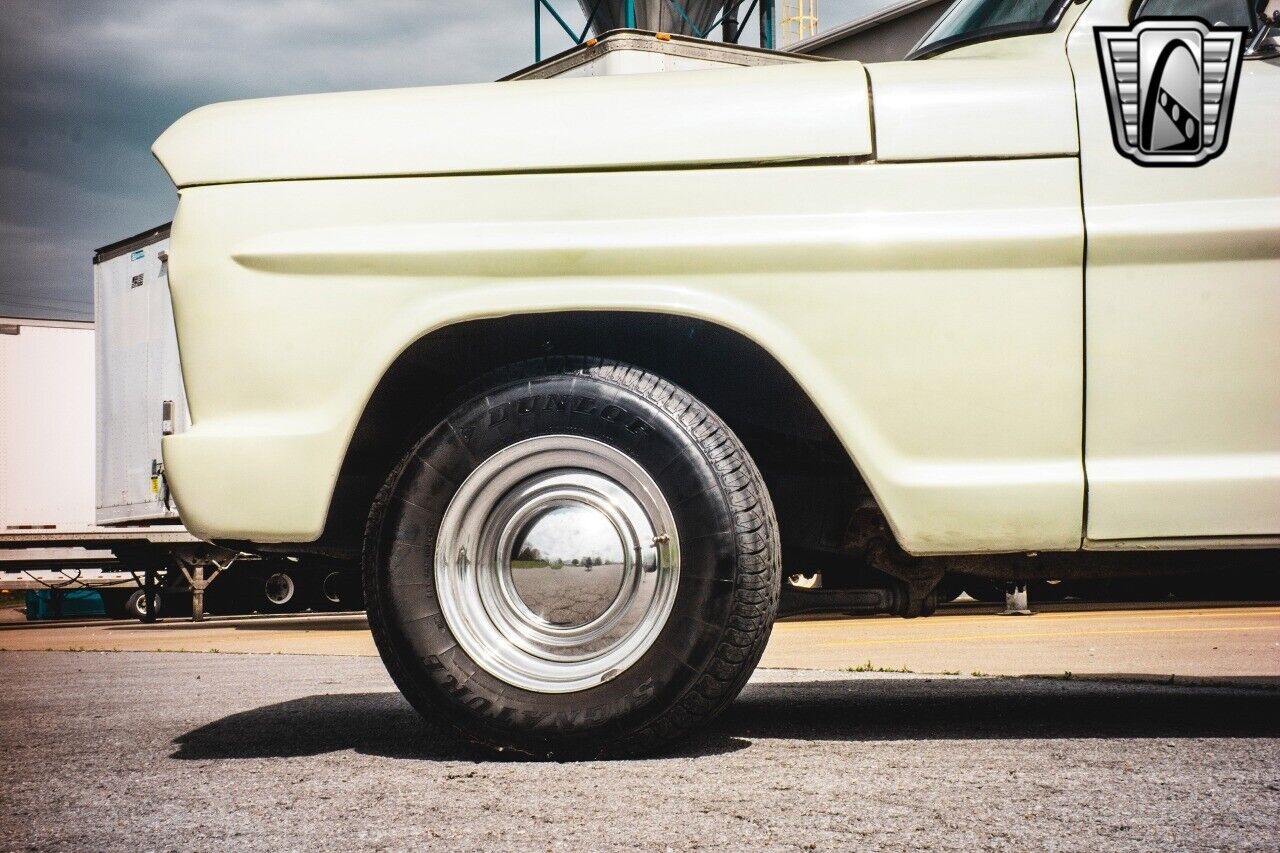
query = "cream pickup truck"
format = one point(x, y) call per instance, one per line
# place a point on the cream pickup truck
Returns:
point(579, 368)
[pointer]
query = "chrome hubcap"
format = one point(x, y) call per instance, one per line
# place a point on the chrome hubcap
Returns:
point(557, 563)
point(278, 588)
point(567, 563)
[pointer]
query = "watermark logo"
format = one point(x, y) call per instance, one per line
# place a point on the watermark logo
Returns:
point(1170, 84)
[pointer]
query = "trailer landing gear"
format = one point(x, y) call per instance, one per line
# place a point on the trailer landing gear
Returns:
point(193, 571)
point(1015, 600)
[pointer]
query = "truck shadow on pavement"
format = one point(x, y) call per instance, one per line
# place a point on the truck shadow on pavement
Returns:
point(888, 709)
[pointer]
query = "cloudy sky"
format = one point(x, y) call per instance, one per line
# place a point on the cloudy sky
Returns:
point(87, 85)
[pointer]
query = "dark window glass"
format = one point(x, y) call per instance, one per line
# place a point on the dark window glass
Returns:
point(969, 21)
point(1218, 13)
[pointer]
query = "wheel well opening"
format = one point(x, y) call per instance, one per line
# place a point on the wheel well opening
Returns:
point(811, 479)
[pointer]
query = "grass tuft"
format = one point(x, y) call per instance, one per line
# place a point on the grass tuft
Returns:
point(869, 667)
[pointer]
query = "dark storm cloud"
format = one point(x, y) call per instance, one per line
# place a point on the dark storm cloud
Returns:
point(87, 85)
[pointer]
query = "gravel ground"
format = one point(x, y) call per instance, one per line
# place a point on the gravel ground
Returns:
point(147, 751)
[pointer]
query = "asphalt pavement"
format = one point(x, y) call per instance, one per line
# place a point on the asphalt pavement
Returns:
point(1231, 642)
point(112, 751)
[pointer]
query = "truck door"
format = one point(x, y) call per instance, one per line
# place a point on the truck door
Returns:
point(1182, 274)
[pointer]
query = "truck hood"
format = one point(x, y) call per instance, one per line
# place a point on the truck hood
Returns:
point(734, 116)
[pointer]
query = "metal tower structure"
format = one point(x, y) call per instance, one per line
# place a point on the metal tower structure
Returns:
point(797, 20)
point(698, 18)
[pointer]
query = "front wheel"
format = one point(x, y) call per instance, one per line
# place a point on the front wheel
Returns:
point(580, 559)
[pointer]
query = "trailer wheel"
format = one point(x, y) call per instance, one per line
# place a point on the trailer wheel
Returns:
point(331, 589)
point(579, 560)
point(337, 589)
point(135, 605)
point(279, 591)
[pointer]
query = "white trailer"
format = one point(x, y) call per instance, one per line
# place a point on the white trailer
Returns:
point(49, 538)
point(140, 396)
point(46, 426)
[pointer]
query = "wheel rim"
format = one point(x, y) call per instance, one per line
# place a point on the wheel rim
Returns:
point(505, 575)
point(278, 588)
point(331, 588)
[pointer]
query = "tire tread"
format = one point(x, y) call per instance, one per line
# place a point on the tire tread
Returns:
point(757, 573)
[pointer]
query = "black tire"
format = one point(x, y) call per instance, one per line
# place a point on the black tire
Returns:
point(725, 600)
point(135, 605)
point(328, 590)
point(337, 589)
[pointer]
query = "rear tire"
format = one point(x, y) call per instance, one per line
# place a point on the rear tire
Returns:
point(135, 605)
point(488, 622)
